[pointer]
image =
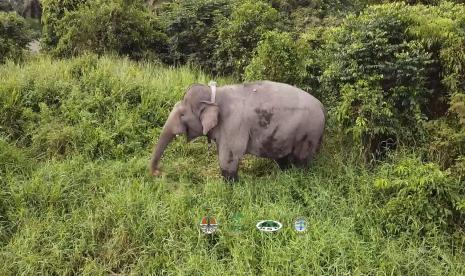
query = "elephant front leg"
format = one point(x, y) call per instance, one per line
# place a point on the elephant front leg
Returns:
point(229, 163)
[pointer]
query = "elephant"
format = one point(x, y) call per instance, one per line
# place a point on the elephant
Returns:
point(263, 118)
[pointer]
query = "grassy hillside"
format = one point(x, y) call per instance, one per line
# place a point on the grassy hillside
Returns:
point(76, 197)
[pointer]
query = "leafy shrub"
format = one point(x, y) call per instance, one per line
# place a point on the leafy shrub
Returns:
point(5, 6)
point(192, 30)
point(25, 8)
point(376, 76)
point(239, 35)
point(102, 26)
point(441, 29)
point(365, 114)
point(320, 8)
point(418, 197)
point(97, 107)
point(52, 13)
point(278, 57)
point(446, 141)
point(14, 36)
point(407, 57)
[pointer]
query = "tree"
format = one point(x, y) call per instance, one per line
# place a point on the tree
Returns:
point(239, 35)
point(14, 36)
point(192, 30)
point(277, 58)
point(124, 27)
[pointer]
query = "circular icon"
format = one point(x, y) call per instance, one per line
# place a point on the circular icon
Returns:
point(208, 225)
point(269, 225)
point(300, 225)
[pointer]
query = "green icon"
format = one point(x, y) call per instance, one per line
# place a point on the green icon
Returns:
point(269, 225)
point(237, 223)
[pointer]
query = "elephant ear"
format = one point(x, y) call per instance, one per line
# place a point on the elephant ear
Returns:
point(209, 116)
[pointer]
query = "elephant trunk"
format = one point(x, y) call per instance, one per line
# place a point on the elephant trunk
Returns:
point(165, 138)
point(172, 127)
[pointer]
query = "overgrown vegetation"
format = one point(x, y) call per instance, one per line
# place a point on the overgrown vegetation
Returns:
point(192, 27)
point(386, 194)
point(123, 27)
point(14, 36)
point(389, 72)
point(102, 108)
point(77, 197)
point(278, 58)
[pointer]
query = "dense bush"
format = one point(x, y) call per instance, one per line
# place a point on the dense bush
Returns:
point(320, 8)
point(76, 134)
point(441, 29)
point(391, 69)
point(279, 58)
point(5, 6)
point(417, 198)
point(123, 27)
point(52, 12)
point(192, 30)
point(14, 36)
point(239, 35)
point(25, 8)
point(97, 107)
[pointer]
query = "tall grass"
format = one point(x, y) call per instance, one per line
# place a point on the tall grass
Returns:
point(75, 195)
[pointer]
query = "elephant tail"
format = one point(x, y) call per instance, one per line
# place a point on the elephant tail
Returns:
point(325, 112)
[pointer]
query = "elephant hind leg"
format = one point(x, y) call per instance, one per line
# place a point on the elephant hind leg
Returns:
point(284, 162)
point(289, 161)
point(304, 153)
point(229, 156)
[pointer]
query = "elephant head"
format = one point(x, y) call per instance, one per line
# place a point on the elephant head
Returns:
point(194, 116)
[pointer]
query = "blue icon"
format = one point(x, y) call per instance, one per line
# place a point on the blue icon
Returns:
point(300, 225)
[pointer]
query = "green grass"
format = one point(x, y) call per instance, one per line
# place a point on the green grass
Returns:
point(93, 209)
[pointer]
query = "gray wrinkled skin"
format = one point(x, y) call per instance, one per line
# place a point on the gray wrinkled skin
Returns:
point(266, 119)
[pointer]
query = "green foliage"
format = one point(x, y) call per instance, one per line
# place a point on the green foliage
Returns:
point(192, 29)
point(13, 160)
point(76, 198)
point(52, 13)
point(441, 29)
point(75, 136)
point(82, 216)
point(411, 55)
point(239, 35)
point(418, 198)
point(99, 107)
point(364, 113)
point(124, 27)
point(14, 36)
point(446, 141)
point(320, 8)
point(5, 6)
point(278, 58)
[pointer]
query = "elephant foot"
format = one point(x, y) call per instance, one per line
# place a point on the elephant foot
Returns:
point(230, 176)
point(156, 173)
point(288, 162)
point(284, 163)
